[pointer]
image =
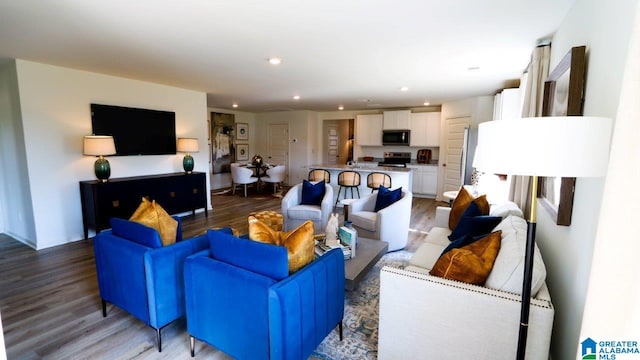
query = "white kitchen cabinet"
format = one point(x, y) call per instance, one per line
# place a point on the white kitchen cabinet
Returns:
point(425, 179)
point(369, 130)
point(396, 120)
point(429, 180)
point(425, 129)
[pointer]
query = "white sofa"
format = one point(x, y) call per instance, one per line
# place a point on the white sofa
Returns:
point(390, 224)
point(428, 317)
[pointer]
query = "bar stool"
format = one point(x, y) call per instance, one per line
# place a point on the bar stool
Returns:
point(375, 179)
point(319, 174)
point(348, 180)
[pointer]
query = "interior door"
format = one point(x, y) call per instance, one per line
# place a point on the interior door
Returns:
point(278, 146)
point(332, 144)
point(453, 152)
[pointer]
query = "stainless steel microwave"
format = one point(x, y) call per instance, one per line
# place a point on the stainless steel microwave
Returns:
point(395, 137)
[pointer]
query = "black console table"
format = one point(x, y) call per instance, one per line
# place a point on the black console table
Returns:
point(120, 197)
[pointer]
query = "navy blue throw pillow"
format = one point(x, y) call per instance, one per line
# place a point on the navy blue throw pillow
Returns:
point(474, 225)
point(387, 197)
point(312, 194)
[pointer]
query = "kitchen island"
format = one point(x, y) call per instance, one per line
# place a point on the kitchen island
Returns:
point(400, 176)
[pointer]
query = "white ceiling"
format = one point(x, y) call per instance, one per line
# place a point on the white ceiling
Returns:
point(355, 53)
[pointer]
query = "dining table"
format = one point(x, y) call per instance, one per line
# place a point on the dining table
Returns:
point(259, 170)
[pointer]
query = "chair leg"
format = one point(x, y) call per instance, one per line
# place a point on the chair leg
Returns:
point(233, 188)
point(104, 308)
point(159, 340)
point(245, 190)
point(358, 191)
point(192, 345)
point(340, 329)
point(338, 197)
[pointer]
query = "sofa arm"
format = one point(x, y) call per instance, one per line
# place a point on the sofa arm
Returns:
point(442, 217)
point(118, 262)
point(291, 198)
point(295, 329)
point(326, 207)
point(443, 314)
point(164, 272)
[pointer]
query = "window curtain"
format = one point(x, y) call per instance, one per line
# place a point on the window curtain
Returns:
point(536, 74)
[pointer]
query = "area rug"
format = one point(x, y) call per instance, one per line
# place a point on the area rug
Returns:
point(360, 324)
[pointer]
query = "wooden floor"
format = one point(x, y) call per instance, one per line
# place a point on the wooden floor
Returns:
point(50, 304)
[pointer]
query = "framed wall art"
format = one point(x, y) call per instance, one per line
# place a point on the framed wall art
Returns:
point(242, 131)
point(563, 96)
point(242, 151)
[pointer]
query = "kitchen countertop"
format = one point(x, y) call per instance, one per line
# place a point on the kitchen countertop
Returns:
point(340, 167)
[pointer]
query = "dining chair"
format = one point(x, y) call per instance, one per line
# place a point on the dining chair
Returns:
point(274, 175)
point(241, 176)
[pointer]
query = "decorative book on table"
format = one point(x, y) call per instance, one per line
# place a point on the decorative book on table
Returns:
point(348, 237)
point(322, 247)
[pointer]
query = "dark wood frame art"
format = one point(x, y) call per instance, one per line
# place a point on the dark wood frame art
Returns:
point(574, 65)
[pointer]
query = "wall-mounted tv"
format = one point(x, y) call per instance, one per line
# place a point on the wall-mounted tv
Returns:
point(136, 131)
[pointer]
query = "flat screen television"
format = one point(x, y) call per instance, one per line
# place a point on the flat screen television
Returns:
point(136, 131)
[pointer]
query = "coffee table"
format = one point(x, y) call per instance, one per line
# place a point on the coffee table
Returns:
point(368, 252)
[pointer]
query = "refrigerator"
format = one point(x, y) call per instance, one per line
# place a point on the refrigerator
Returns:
point(470, 140)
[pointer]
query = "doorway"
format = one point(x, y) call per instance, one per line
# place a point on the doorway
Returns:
point(453, 152)
point(337, 141)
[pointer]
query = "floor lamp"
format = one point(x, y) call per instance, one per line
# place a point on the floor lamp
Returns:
point(570, 146)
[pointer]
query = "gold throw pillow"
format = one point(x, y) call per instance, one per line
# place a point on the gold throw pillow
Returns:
point(472, 263)
point(299, 242)
point(151, 214)
point(461, 203)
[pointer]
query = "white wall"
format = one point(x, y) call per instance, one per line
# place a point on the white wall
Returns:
point(611, 310)
point(15, 195)
point(54, 104)
point(304, 130)
point(568, 251)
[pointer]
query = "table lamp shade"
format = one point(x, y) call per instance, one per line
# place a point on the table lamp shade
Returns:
point(570, 146)
point(187, 145)
point(98, 145)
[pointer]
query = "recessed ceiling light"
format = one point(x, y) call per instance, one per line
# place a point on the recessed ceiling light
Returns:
point(404, 88)
point(235, 105)
point(340, 107)
point(426, 103)
point(296, 97)
point(275, 61)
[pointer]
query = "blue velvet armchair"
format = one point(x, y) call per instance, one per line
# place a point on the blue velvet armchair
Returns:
point(241, 299)
point(137, 274)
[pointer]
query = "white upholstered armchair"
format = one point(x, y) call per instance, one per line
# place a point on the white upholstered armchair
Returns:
point(390, 224)
point(295, 214)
